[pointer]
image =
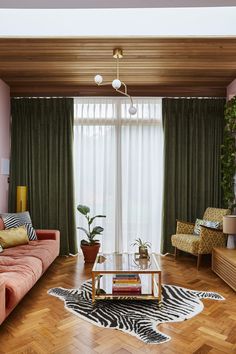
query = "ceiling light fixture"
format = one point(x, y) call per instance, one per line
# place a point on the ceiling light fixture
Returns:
point(117, 83)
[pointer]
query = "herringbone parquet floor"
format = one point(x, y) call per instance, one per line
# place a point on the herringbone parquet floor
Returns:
point(41, 325)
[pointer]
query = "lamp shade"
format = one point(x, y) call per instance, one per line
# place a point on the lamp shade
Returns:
point(21, 198)
point(229, 224)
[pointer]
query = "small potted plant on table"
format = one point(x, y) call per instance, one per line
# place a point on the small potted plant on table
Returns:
point(142, 247)
point(91, 246)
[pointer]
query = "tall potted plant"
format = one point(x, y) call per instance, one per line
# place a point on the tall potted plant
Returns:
point(90, 247)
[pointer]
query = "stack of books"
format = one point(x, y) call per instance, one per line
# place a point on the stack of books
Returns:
point(126, 284)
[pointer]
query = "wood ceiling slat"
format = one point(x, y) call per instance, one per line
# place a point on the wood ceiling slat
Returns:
point(206, 73)
point(87, 76)
point(135, 91)
point(162, 64)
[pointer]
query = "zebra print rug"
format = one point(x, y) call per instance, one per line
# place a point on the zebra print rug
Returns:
point(136, 317)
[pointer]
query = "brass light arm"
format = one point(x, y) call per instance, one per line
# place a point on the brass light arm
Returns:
point(117, 68)
point(122, 92)
point(104, 83)
point(125, 93)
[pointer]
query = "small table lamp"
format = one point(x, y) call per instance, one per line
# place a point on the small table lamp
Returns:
point(229, 227)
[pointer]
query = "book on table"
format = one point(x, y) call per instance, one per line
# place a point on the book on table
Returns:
point(126, 284)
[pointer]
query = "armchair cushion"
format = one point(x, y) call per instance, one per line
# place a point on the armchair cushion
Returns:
point(185, 242)
point(202, 222)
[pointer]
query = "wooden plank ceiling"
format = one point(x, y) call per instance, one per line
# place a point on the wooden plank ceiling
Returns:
point(150, 67)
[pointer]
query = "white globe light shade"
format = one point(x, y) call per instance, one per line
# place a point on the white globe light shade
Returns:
point(116, 84)
point(132, 110)
point(98, 79)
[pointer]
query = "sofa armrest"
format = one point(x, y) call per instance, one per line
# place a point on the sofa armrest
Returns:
point(48, 235)
point(184, 227)
point(209, 238)
point(2, 301)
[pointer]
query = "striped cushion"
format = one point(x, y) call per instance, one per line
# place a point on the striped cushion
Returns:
point(209, 223)
point(18, 219)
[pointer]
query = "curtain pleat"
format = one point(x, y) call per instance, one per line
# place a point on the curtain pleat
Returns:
point(42, 159)
point(193, 134)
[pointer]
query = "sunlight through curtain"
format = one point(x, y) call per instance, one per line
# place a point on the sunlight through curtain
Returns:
point(118, 169)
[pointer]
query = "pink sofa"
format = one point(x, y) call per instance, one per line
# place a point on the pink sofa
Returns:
point(22, 266)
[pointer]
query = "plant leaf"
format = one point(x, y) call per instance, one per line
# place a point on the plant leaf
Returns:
point(93, 242)
point(83, 209)
point(228, 153)
point(97, 216)
point(84, 242)
point(83, 229)
point(97, 230)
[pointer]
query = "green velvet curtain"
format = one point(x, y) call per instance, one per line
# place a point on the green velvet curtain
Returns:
point(42, 159)
point(193, 134)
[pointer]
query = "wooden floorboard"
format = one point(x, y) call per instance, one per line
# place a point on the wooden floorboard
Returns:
point(40, 324)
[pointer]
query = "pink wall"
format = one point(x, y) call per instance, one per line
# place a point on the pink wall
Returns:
point(4, 141)
point(39, 4)
point(231, 90)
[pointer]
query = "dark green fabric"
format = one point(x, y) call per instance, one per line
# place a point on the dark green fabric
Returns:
point(193, 134)
point(42, 159)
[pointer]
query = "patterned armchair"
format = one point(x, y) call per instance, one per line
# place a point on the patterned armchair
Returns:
point(185, 240)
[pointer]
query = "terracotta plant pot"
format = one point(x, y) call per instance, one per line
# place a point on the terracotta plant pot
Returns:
point(90, 252)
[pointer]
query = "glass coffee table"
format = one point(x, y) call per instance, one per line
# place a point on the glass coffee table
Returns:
point(111, 270)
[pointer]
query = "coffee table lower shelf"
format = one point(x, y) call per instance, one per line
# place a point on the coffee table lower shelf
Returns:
point(156, 289)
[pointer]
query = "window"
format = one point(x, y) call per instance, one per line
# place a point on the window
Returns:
point(118, 166)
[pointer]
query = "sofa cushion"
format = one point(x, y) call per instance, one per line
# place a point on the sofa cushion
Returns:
point(18, 219)
point(14, 237)
point(2, 227)
point(22, 266)
point(187, 243)
point(19, 275)
point(44, 250)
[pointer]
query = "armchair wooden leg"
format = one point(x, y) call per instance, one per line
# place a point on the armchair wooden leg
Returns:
point(176, 253)
point(199, 260)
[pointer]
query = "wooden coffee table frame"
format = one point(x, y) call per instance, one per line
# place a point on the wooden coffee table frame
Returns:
point(96, 279)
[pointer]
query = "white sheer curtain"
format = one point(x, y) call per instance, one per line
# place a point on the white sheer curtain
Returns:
point(118, 167)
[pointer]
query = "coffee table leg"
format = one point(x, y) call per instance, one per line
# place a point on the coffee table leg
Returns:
point(93, 287)
point(159, 287)
point(153, 283)
point(98, 284)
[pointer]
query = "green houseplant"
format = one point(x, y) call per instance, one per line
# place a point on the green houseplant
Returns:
point(143, 247)
point(228, 161)
point(90, 247)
